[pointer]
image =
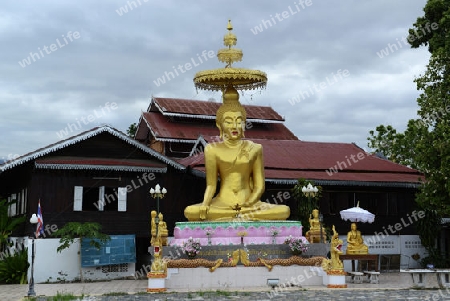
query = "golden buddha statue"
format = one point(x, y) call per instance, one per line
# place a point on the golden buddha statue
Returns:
point(314, 222)
point(240, 166)
point(355, 242)
point(314, 232)
point(162, 229)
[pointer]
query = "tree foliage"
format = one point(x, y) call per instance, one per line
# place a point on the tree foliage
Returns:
point(305, 204)
point(7, 223)
point(425, 144)
point(75, 232)
point(14, 268)
point(131, 131)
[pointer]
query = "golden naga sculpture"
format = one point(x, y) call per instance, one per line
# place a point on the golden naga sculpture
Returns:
point(162, 229)
point(313, 234)
point(355, 243)
point(159, 265)
point(239, 163)
point(334, 263)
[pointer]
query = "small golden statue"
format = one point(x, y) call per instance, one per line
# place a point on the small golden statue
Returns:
point(162, 229)
point(313, 234)
point(355, 242)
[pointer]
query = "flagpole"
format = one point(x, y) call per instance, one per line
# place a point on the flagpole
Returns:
point(31, 292)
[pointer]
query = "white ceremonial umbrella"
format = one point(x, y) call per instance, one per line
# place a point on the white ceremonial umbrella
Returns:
point(357, 214)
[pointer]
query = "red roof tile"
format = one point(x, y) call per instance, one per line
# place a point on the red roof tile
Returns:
point(324, 155)
point(199, 107)
point(163, 127)
point(288, 159)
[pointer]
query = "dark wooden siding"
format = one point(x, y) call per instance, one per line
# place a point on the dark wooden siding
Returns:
point(104, 145)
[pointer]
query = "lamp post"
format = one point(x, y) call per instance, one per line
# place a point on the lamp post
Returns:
point(31, 292)
point(157, 193)
point(310, 191)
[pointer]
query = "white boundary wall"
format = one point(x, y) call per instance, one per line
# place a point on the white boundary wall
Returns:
point(51, 266)
point(405, 245)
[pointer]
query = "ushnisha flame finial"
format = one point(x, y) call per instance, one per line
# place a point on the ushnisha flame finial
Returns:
point(239, 78)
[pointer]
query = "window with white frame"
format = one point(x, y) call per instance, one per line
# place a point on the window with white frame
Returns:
point(100, 198)
point(20, 205)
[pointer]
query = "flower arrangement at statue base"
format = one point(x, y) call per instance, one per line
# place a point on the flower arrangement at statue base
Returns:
point(296, 245)
point(191, 247)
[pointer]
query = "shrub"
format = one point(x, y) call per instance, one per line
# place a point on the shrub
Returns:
point(296, 244)
point(13, 268)
point(191, 246)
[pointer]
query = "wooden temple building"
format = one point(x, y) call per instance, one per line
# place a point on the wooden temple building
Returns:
point(103, 175)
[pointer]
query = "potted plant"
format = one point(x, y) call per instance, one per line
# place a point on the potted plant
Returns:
point(191, 247)
point(296, 245)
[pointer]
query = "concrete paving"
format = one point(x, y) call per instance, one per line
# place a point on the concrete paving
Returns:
point(392, 286)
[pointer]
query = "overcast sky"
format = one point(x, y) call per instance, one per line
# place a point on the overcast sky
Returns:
point(67, 67)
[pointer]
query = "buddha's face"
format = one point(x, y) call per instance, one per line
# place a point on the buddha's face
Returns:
point(232, 125)
point(353, 227)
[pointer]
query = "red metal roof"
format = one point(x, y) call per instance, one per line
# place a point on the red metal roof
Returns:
point(199, 107)
point(290, 159)
point(163, 127)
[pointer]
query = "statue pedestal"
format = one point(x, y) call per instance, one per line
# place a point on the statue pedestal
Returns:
point(156, 282)
point(241, 277)
point(336, 279)
point(314, 237)
point(238, 266)
point(268, 251)
point(230, 232)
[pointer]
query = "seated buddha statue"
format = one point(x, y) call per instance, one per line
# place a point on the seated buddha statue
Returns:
point(240, 166)
point(355, 242)
point(313, 234)
point(314, 222)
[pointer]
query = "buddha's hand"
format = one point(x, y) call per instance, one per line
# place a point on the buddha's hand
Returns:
point(203, 210)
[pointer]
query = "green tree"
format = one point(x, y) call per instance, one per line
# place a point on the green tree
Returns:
point(425, 144)
point(305, 204)
point(131, 131)
point(75, 232)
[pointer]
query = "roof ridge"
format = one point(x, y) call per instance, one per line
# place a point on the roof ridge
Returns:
point(83, 136)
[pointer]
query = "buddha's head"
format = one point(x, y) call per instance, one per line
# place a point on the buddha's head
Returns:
point(231, 116)
point(315, 213)
point(353, 227)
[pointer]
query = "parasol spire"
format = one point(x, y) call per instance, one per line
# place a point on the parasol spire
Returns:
point(239, 78)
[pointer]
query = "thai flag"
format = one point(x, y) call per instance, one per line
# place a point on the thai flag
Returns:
point(40, 223)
